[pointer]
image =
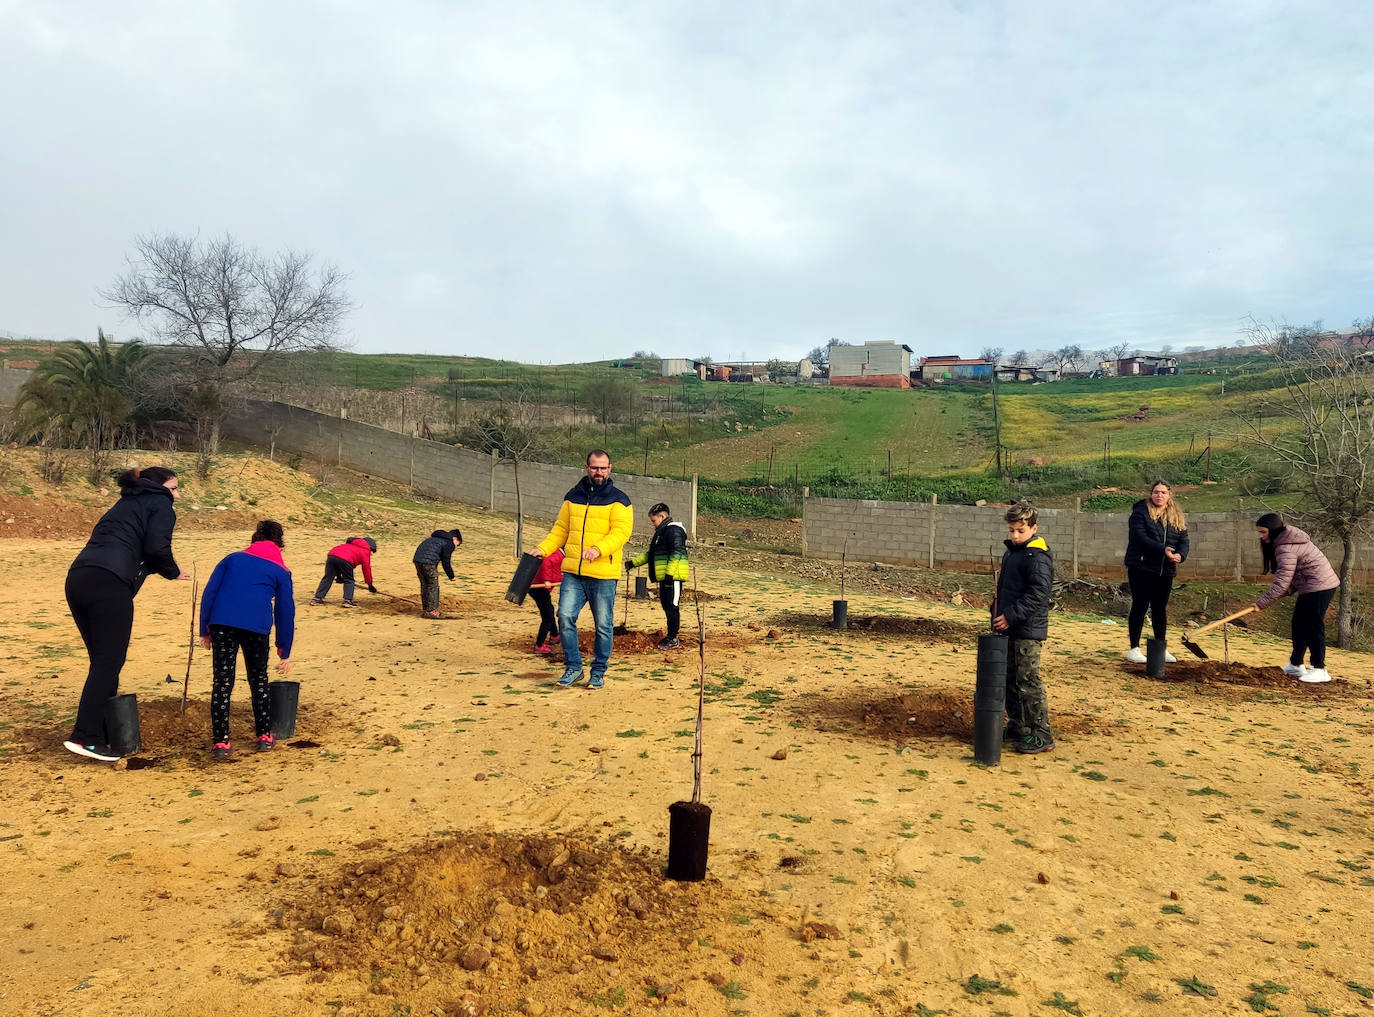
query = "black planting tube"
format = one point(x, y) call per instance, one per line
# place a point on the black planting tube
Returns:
point(121, 724)
point(839, 612)
point(284, 698)
point(989, 698)
point(641, 587)
point(524, 575)
point(1154, 658)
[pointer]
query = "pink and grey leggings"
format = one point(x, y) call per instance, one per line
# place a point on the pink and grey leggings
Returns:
point(225, 643)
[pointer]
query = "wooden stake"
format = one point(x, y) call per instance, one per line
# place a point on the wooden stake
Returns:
point(191, 647)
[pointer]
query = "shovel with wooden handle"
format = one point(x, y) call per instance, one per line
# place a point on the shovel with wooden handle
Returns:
point(1197, 650)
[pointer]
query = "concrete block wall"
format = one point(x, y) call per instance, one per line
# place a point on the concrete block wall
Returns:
point(11, 378)
point(1223, 545)
point(442, 470)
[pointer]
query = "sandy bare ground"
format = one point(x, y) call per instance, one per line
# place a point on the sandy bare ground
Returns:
point(448, 832)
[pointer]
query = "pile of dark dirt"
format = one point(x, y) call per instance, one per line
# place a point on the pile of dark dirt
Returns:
point(917, 715)
point(638, 642)
point(511, 919)
point(169, 735)
point(1242, 678)
point(883, 625)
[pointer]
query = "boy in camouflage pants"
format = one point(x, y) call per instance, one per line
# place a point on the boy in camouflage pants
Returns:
point(1021, 610)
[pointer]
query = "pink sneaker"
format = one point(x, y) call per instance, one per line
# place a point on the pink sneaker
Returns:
point(545, 648)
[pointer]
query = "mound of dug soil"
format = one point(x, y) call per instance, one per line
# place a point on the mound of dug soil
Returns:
point(1219, 674)
point(917, 715)
point(883, 625)
point(502, 921)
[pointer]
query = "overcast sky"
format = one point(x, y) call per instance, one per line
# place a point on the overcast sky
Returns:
point(570, 181)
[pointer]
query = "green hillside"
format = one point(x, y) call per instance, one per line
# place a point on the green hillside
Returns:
point(755, 446)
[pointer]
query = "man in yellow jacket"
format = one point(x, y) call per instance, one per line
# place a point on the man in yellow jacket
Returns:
point(592, 528)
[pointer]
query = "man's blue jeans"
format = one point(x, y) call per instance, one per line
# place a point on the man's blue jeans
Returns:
point(574, 593)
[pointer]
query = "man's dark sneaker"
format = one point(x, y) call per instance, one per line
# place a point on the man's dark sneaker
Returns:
point(101, 752)
point(669, 644)
point(598, 680)
point(266, 742)
point(349, 603)
point(221, 750)
point(570, 677)
point(1033, 743)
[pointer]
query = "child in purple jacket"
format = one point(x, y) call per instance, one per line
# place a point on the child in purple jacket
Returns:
point(1299, 567)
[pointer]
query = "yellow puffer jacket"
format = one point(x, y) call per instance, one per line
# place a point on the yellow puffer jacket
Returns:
point(599, 517)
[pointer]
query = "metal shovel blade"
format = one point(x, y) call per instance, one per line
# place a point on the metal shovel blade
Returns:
point(1193, 648)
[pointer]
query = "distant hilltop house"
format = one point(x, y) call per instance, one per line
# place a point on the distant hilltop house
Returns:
point(1140, 366)
point(950, 368)
point(673, 367)
point(884, 363)
point(1025, 372)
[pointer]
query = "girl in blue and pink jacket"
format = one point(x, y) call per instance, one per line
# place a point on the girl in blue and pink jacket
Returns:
point(248, 592)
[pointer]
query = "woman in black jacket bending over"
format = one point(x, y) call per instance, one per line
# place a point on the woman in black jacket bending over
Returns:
point(131, 540)
point(1157, 545)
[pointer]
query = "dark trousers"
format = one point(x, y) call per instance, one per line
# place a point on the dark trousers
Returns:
point(336, 569)
point(548, 620)
point(1149, 590)
point(670, 596)
point(102, 606)
point(1309, 626)
point(1028, 708)
point(429, 586)
point(225, 643)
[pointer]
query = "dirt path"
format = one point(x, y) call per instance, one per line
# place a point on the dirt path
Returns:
point(448, 831)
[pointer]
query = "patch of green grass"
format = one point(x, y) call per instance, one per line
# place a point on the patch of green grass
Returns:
point(608, 1000)
point(1141, 953)
point(977, 985)
point(1195, 986)
point(1059, 1002)
point(732, 990)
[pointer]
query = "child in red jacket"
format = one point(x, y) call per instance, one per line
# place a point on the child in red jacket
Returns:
point(341, 562)
point(550, 574)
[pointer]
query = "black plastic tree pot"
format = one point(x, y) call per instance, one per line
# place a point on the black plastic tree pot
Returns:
point(989, 698)
point(839, 614)
point(524, 575)
point(641, 587)
point(284, 698)
point(689, 835)
point(121, 724)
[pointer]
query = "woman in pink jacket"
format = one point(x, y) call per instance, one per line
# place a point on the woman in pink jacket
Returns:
point(1298, 567)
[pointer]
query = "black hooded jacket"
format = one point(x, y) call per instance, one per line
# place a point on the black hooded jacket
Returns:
point(436, 549)
point(1025, 589)
point(134, 538)
point(1148, 537)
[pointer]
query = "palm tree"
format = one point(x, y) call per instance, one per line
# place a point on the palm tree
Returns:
point(86, 391)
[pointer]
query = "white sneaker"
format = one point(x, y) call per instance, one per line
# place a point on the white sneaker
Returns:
point(1135, 655)
point(1315, 675)
point(1294, 670)
point(1169, 658)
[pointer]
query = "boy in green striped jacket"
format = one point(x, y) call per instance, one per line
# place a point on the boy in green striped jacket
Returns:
point(667, 561)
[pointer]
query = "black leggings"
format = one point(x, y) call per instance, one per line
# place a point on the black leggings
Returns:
point(670, 596)
point(1309, 626)
point(102, 606)
point(548, 619)
point(225, 642)
point(1148, 590)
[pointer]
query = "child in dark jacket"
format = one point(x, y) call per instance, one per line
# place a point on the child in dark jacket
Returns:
point(550, 574)
point(248, 591)
point(339, 566)
point(1021, 609)
point(435, 550)
point(667, 561)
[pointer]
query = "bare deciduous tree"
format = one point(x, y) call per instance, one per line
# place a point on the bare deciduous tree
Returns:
point(230, 307)
point(991, 354)
point(512, 432)
point(1321, 426)
point(1066, 358)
